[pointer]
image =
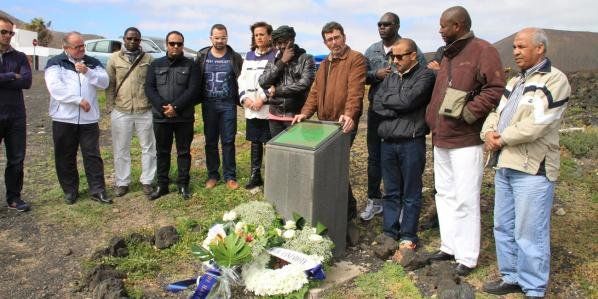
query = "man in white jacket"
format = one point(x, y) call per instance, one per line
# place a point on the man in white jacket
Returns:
point(72, 79)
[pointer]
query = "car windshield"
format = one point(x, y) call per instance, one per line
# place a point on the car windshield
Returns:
point(149, 47)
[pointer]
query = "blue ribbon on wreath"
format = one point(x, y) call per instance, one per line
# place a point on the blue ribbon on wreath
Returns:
point(205, 283)
point(316, 273)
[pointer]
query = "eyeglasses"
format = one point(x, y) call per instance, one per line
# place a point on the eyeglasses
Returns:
point(333, 38)
point(399, 56)
point(133, 39)
point(77, 47)
point(7, 32)
point(178, 44)
point(384, 24)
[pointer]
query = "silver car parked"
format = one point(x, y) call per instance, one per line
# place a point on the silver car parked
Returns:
point(101, 49)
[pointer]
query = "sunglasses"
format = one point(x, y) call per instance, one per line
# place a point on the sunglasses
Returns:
point(384, 24)
point(178, 44)
point(134, 39)
point(7, 32)
point(399, 56)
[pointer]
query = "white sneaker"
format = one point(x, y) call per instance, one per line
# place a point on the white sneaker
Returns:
point(371, 209)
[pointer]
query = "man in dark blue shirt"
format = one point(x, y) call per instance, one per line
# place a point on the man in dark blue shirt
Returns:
point(15, 75)
point(220, 67)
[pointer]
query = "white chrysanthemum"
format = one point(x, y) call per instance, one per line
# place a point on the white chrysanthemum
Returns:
point(315, 238)
point(260, 231)
point(290, 224)
point(288, 234)
point(229, 216)
point(278, 232)
point(270, 282)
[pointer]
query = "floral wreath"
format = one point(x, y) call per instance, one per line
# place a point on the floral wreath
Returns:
point(255, 248)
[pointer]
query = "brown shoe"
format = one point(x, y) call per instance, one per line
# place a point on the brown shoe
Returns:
point(211, 183)
point(232, 184)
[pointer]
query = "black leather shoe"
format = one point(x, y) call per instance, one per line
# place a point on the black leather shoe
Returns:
point(462, 270)
point(184, 192)
point(158, 192)
point(499, 287)
point(102, 197)
point(441, 256)
point(70, 198)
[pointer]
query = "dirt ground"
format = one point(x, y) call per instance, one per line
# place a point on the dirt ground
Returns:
point(43, 258)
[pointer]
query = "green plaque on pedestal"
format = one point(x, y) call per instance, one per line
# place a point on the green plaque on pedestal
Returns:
point(306, 135)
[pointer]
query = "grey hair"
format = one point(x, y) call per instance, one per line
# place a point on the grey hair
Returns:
point(65, 39)
point(540, 38)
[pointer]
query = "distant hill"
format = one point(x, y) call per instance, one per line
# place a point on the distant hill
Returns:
point(57, 36)
point(570, 51)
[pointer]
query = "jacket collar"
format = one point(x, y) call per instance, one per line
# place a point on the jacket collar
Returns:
point(343, 56)
point(455, 47)
point(410, 71)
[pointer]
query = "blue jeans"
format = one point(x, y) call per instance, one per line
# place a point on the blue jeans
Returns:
point(373, 144)
point(402, 171)
point(220, 121)
point(522, 204)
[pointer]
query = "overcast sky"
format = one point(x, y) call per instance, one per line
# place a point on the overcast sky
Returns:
point(492, 20)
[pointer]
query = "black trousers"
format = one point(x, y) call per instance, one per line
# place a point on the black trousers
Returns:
point(13, 132)
point(182, 132)
point(67, 139)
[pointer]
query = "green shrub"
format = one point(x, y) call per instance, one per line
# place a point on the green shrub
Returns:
point(582, 144)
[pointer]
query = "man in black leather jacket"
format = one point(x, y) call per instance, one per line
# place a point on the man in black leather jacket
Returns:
point(287, 80)
point(172, 85)
point(401, 105)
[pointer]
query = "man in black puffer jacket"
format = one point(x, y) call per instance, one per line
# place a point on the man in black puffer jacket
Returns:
point(401, 105)
point(172, 85)
point(287, 80)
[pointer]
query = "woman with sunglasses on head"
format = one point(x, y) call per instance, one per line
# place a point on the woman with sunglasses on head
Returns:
point(252, 97)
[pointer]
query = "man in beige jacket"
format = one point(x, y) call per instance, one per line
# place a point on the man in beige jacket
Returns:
point(131, 111)
point(523, 136)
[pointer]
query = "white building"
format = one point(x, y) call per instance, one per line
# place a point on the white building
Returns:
point(23, 41)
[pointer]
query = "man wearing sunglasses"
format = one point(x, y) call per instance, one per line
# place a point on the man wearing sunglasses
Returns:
point(15, 75)
point(72, 79)
point(172, 85)
point(220, 66)
point(131, 112)
point(379, 65)
point(400, 105)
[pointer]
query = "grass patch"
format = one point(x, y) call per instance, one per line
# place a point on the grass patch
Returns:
point(390, 282)
point(582, 144)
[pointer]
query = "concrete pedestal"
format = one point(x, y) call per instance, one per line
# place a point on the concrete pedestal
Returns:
point(307, 172)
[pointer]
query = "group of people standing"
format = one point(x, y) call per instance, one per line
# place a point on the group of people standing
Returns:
point(460, 98)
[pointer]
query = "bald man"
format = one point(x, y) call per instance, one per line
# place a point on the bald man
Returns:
point(72, 79)
point(472, 67)
point(523, 135)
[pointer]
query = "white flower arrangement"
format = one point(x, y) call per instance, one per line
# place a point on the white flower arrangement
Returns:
point(250, 233)
point(269, 282)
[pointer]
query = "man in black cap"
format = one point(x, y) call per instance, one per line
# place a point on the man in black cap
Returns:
point(287, 79)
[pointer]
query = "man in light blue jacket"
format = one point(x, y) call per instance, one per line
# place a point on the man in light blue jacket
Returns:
point(72, 79)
